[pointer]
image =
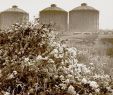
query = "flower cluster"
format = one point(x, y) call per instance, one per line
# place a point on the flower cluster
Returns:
point(32, 62)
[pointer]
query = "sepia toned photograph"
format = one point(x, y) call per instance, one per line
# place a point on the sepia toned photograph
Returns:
point(56, 47)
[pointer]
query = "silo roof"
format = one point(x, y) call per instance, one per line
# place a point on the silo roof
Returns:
point(84, 6)
point(15, 9)
point(53, 7)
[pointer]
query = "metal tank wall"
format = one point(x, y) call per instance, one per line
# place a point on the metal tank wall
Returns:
point(55, 16)
point(7, 18)
point(0, 21)
point(84, 20)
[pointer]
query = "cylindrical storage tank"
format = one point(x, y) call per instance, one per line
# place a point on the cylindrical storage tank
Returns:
point(0, 21)
point(56, 16)
point(84, 19)
point(11, 16)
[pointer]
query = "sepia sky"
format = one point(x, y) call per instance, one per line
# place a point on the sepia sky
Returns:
point(34, 6)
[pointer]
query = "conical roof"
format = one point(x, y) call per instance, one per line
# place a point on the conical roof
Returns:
point(15, 9)
point(53, 7)
point(84, 6)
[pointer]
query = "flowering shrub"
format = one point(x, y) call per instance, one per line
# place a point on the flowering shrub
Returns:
point(32, 62)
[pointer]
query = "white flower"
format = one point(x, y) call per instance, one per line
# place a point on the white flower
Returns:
point(39, 57)
point(11, 76)
point(60, 50)
point(84, 81)
point(97, 90)
point(82, 68)
point(108, 88)
point(45, 29)
point(58, 45)
point(67, 81)
point(72, 51)
point(30, 63)
point(6, 93)
point(45, 58)
point(69, 76)
point(55, 76)
point(90, 94)
point(91, 63)
point(50, 61)
point(96, 76)
point(71, 90)
point(56, 56)
point(64, 45)
point(93, 84)
point(62, 77)
point(15, 72)
point(71, 66)
point(53, 44)
point(107, 76)
point(55, 51)
point(63, 86)
point(26, 59)
point(61, 56)
point(57, 86)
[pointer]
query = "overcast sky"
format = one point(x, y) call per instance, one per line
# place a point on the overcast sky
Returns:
point(34, 6)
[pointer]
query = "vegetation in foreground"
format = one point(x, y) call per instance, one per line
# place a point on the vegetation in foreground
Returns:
point(32, 62)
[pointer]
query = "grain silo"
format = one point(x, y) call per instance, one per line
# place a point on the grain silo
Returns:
point(56, 16)
point(84, 19)
point(11, 16)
